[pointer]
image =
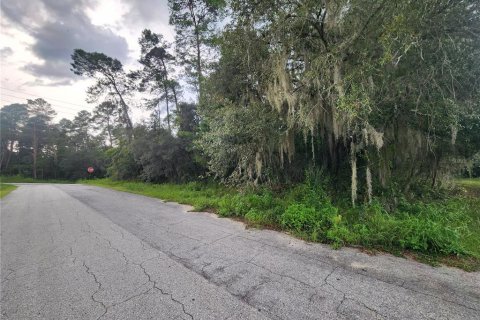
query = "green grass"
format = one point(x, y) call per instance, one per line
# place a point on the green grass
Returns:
point(6, 189)
point(470, 186)
point(437, 231)
point(200, 196)
point(472, 182)
point(22, 179)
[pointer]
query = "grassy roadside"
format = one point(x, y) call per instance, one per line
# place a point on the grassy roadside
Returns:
point(22, 179)
point(202, 197)
point(6, 189)
point(443, 231)
point(471, 186)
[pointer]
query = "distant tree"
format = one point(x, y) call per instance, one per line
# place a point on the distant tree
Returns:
point(156, 75)
point(122, 163)
point(81, 125)
point(37, 128)
point(111, 80)
point(194, 22)
point(104, 117)
point(162, 157)
point(12, 119)
point(32, 144)
point(187, 123)
point(72, 148)
point(186, 119)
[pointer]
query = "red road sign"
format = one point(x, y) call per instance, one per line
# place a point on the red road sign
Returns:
point(90, 170)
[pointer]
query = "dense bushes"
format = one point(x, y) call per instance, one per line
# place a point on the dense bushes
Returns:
point(434, 227)
point(163, 157)
point(122, 164)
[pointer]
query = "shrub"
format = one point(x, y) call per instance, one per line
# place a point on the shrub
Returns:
point(123, 165)
point(240, 204)
point(227, 206)
point(203, 203)
point(338, 233)
point(434, 228)
point(299, 218)
point(310, 222)
point(257, 218)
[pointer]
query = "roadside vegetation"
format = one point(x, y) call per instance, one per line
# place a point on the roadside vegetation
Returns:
point(470, 186)
point(383, 107)
point(23, 179)
point(6, 189)
point(442, 229)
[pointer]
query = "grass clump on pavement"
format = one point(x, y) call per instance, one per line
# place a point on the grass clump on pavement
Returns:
point(6, 189)
point(445, 230)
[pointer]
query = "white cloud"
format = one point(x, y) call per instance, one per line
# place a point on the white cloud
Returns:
point(39, 37)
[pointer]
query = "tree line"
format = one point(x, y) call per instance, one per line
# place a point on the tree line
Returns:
point(375, 94)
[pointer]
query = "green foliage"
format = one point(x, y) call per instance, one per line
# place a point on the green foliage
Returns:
point(473, 168)
point(260, 208)
point(111, 79)
point(235, 152)
point(163, 157)
point(258, 218)
point(155, 76)
point(470, 183)
point(12, 118)
point(194, 22)
point(106, 117)
point(91, 63)
point(379, 82)
point(122, 165)
point(200, 195)
point(434, 228)
point(314, 217)
point(300, 218)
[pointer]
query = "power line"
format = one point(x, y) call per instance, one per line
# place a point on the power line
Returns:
point(33, 97)
point(57, 105)
point(37, 96)
point(54, 106)
point(26, 98)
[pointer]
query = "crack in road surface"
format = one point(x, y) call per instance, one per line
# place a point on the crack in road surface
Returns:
point(99, 254)
point(99, 284)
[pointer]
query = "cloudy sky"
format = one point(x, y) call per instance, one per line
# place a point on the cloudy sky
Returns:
point(38, 37)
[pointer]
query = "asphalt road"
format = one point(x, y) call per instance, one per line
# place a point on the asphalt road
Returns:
point(82, 252)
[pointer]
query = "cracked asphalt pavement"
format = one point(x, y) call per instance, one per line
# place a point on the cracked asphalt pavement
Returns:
point(83, 252)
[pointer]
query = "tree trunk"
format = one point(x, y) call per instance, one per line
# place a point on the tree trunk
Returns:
point(125, 116)
point(197, 44)
point(436, 162)
point(109, 131)
point(9, 156)
point(199, 65)
point(175, 96)
point(34, 151)
point(165, 87)
point(2, 155)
